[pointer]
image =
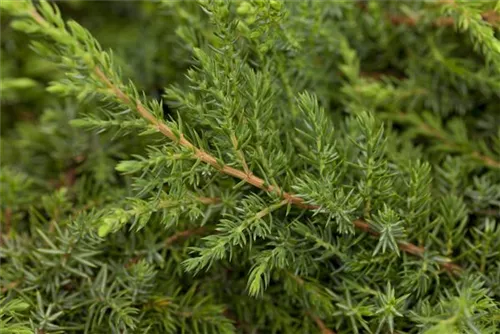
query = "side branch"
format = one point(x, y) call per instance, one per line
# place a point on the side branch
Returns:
point(430, 132)
point(184, 234)
point(321, 325)
point(490, 17)
point(198, 153)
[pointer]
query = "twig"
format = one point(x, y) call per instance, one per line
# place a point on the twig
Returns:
point(239, 323)
point(407, 247)
point(132, 261)
point(7, 221)
point(321, 324)
point(486, 160)
point(169, 241)
point(491, 17)
point(38, 18)
point(6, 225)
point(431, 132)
point(489, 212)
point(184, 234)
point(10, 286)
point(317, 320)
point(208, 200)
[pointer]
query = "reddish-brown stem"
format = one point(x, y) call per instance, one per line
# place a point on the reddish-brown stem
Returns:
point(6, 224)
point(489, 16)
point(238, 322)
point(169, 241)
point(208, 200)
point(184, 234)
point(132, 261)
point(431, 132)
point(10, 286)
point(38, 18)
point(7, 220)
point(489, 212)
point(486, 160)
point(321, 324)
point(406, 247)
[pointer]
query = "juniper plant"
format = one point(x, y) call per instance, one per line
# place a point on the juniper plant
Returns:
point(250, 167)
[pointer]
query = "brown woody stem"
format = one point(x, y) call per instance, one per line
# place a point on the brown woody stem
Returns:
point(431, 132)
point(321, 325)
point(184, 234)
point(247, 177)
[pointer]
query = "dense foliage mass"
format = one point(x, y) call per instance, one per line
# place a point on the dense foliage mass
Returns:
point(250, 167)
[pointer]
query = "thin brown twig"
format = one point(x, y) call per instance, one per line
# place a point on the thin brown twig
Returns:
point(238, 322)
point(184, 234)
point(321, 324)
point(10, 286)
point(5, 225)
point(132, 261)
point(489, 212)
point(208, 200)
point(429, 131)
point(491, 17)
point(7, 221)
point(38, 18)
point(169, 241)
point(406, 246)
point(486, 160)
point(317, 320)
point(211, 160)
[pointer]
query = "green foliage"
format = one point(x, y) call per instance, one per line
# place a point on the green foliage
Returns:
point(250, 167)
point(11, 315)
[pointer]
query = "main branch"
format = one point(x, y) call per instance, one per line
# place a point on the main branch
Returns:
point(206, 157)
point(248, 177)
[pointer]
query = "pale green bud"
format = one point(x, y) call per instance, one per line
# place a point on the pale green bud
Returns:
point(244, 8)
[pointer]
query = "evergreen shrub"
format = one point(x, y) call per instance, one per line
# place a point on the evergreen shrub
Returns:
point(250, 167)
